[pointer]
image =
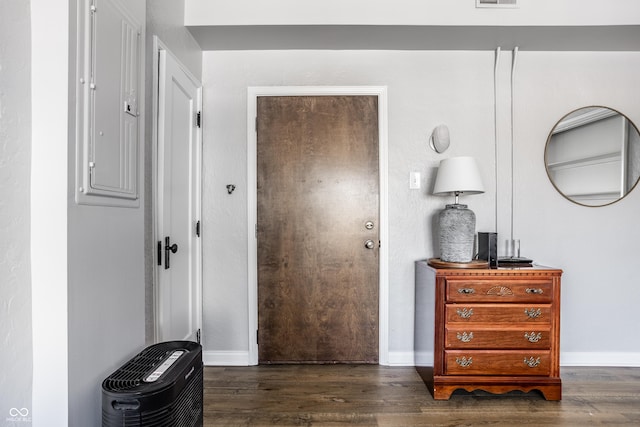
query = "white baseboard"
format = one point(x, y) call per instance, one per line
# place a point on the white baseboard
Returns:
point(401, 358)
point(241, 358)
point(600, 359)
point(408, 358)
point(225, 358)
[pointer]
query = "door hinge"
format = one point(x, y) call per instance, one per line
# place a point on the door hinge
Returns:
point(199, 119)
point(198, 336)
point(257, 337)
point(159, 252)
point(198, 228)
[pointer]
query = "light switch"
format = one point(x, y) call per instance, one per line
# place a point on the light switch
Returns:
point(414, 180)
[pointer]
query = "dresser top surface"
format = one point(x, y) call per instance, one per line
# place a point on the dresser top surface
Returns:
point(535, 270)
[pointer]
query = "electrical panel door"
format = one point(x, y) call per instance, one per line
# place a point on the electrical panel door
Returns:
point(108, 159)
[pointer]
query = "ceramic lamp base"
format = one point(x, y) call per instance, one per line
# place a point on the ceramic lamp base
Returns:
point(457, 233)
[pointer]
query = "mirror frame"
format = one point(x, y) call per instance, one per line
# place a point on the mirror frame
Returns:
point(546, 151)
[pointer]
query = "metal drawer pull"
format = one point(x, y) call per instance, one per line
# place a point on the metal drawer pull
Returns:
point(533, 313)
point(465, 337)
point(466, 291)
point(537, 291)
point(464, 362)
point(531, 362)
point(533, 337)
point(501, 291)
point(465, 313)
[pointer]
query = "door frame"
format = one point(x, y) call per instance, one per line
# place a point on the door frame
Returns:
point(253, 93)
point(158, 46)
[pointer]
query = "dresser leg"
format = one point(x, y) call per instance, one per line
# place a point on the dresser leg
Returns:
point(442, 392)
point(552, 392)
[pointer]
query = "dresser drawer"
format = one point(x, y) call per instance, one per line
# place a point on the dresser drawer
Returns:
point(508, 362)
point(499, 290)
point(498, 313)
point(477, 337)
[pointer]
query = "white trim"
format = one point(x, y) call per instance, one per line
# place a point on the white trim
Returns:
point(225, 358)
point(197, 214)
point(51, 109)
point(252, 95)
point(155, 59)
point(158, 46)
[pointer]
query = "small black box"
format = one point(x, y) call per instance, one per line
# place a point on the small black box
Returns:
point(488, 247)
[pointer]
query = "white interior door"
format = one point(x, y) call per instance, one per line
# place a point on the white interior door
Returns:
point(178, 255)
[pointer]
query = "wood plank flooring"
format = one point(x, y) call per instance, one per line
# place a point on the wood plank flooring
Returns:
point(372, 395)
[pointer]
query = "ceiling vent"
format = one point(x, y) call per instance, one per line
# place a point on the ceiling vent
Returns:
point(497, 3)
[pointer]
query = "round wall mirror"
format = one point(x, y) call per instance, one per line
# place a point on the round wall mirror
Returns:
point(592, 156)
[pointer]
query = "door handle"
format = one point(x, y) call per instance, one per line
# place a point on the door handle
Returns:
point(168, 250)
point(369, 244)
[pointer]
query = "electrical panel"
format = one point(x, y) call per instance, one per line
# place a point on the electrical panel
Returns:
point(108, 144)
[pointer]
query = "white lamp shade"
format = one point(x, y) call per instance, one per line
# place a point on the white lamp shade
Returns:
point(458, 175)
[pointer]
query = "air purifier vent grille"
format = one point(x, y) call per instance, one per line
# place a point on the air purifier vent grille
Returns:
point(131, 374)
point(160, 387)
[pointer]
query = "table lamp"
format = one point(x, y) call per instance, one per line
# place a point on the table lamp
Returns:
point(456, 176)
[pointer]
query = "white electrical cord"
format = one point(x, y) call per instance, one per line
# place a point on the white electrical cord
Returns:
point(495, 129)
point(514, 60)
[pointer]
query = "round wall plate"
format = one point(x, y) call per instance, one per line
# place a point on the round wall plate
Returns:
point(440, 140)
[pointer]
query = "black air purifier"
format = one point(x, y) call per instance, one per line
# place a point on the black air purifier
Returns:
point(161, 386)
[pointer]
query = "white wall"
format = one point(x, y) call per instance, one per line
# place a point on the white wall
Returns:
point(542, 25)
point(426, 89)
point(596, 247)
point(15, 168)
point(104, 247)
point(408, 12)
point(165, 19)
point(87, 261)
point(106, 280)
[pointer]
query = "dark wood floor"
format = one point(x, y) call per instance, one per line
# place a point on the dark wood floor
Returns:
point(337, 395)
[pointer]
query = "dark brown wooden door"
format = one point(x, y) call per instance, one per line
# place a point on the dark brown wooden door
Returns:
point(317, 189)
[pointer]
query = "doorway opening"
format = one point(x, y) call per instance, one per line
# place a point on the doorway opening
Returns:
point(176, 171)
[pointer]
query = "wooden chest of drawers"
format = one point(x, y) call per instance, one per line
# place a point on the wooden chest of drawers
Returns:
point(497, 330)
